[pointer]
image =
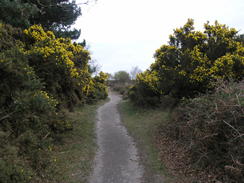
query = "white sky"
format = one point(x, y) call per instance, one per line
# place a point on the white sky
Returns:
point(125, 33)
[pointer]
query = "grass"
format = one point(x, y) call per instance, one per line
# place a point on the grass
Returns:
point(73, 157)
point(142, 124)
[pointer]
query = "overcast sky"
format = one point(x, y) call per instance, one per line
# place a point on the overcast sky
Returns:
point(122, 34)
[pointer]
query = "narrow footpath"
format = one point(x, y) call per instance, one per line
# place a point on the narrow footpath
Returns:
point(117, 160)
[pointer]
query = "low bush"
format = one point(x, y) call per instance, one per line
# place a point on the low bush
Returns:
point(121, 87)
point(99, 88)
point(211, 128)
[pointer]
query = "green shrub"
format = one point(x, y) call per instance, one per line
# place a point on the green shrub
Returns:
point(192, 62)
point(144, 92)
point(40, 75)
point(98, 88)
point(13, 173)
point(25, 111)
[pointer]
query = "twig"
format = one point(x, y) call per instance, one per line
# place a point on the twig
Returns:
point(232, 127)
point(46, 136)
point(7, 116)
point(236, 161)
point(209, 136)
point(238, 100)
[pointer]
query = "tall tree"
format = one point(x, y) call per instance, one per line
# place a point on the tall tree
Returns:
point(55, 15)
point(17, 13)
point(122, 76)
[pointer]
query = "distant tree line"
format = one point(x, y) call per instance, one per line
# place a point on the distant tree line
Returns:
point(124, 76)
point(121, 81)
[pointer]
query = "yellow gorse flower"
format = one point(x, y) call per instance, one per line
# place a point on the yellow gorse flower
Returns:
point(59, 50)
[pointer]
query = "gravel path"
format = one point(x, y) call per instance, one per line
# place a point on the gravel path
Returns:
point(117, 159)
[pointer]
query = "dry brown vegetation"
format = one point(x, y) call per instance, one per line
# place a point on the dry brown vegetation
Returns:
point(204, 138)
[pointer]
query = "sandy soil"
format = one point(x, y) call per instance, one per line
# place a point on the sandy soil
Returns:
point(117, 159)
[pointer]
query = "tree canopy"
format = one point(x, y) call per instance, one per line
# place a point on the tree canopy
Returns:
point(55, 15)
point(122, 76)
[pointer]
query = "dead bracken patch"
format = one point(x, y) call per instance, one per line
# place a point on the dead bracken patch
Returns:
point(204, 137)
point(176, 159)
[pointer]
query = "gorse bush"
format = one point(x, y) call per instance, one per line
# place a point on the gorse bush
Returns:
point(99, 87)
point(25, 113)
point(61, 64)
point(211, 128)
point(40, 76)
point(145, 92)
point(192, 62)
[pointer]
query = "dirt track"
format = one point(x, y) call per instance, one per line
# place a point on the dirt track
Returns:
point(117, 159)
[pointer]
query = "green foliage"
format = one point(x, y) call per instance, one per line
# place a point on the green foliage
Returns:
point(193, 61)
point(41, 75)
point(60, 63)
point(25, 109)
point(122, 76)
point(63, 66)
point(53, 15)
point(100, 89)
point(12, 173)
point(144, 92)
point(60, 14)
point(9, 37)
point(211, 128)
point(120, 82)
point(17, 12)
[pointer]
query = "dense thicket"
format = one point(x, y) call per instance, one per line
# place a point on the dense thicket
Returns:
point(211, 129)
point(191, 63)
point(40, 75)
point(55, 15)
